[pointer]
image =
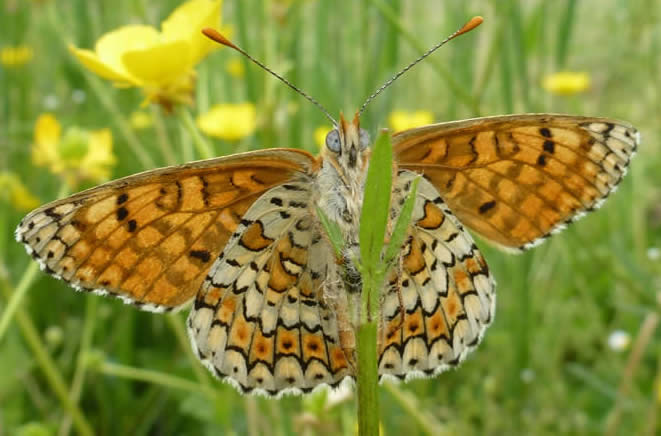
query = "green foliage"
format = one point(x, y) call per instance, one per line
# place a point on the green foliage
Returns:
point(401, 225)
point(373, 222)
point(333, 231)
point(544, 366)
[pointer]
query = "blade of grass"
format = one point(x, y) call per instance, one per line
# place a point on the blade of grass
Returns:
point(79, 373)
point(565, 34)
point(374, 218)
point(645, 334)
point(333, 232)
point(204, 148)
point(520, 52)
point(47, 365)
point(156, 377)
point(402, 225)
point(373, 223)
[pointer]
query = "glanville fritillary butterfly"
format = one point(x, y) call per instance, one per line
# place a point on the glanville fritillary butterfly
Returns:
point(239, 237)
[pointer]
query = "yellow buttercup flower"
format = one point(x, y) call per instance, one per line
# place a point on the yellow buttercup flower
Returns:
point(12, 189)
point(141, 120)
point(566, 83)
point(320, 135)
point(17, 56)
point(401, 120)
point(235, 68)
point(77, 155)
point(160, 63)
point(230, 122)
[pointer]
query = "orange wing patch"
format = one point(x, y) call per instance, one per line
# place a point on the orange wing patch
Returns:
point(517, 179)
point(151, 238)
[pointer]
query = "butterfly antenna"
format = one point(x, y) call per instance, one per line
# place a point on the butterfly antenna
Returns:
point(216, 36)
point(470, 25)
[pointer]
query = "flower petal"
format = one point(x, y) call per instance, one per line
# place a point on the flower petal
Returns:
point(566, 82)
point(187, 21)
point(99, 160)
point(110, 48)
point(160, 63)
point(92, 62)
point(229, 121)
point(401, 120)
point(47, 133)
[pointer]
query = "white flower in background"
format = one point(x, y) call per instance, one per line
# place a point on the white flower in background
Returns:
point(653, 253)
point(619, 340)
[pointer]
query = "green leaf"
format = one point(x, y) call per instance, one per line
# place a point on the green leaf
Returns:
point(376, 206)
point(402, 224)
point(333, 231)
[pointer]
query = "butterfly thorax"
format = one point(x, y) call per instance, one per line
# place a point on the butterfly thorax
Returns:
point(341, 180)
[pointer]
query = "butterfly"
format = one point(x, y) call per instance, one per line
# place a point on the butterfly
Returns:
point(239, 238)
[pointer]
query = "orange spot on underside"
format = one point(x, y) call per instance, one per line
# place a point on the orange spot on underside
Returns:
point(338, 360)
point(253, 237)
point(226, 310)
point(280, 280)
point(262, 348)
point(241, 333)
point(436, 326)
point(462, 281)
point(414, 261)
point(413, 324)
point(433, 217)
point(314, 347)
point(287, 341)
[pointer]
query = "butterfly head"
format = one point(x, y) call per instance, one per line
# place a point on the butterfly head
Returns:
point(348, 144)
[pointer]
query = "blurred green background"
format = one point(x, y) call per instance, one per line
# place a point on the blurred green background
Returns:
point(575, 346)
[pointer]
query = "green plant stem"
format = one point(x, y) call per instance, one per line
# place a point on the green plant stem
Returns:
point(102, 93)
point(177, 327)
point(203, 147)
point(409, 404)
point(645, 335)
point(390, 15)
point(17, 296)
point(162, 136)
point(81, 368)
point(367, 381)
point(155, 377)
point(48, 367)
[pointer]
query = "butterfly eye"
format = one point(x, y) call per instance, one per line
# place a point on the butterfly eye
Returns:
point(333, 141)
point(364, 139)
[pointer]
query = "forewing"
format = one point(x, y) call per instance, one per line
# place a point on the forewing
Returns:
point(517, 179)
point(268, 316)
point(151, 238)
point(440, 299)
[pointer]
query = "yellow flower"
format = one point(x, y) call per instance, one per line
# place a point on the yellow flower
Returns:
point(160, 63)
point(77, 155)
point(14, 57)
point(566, 83)
point(16, 192)
point(141, 120)
point(235, 68)
point(230, 122)
point(320, 135)
point(401, 120)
